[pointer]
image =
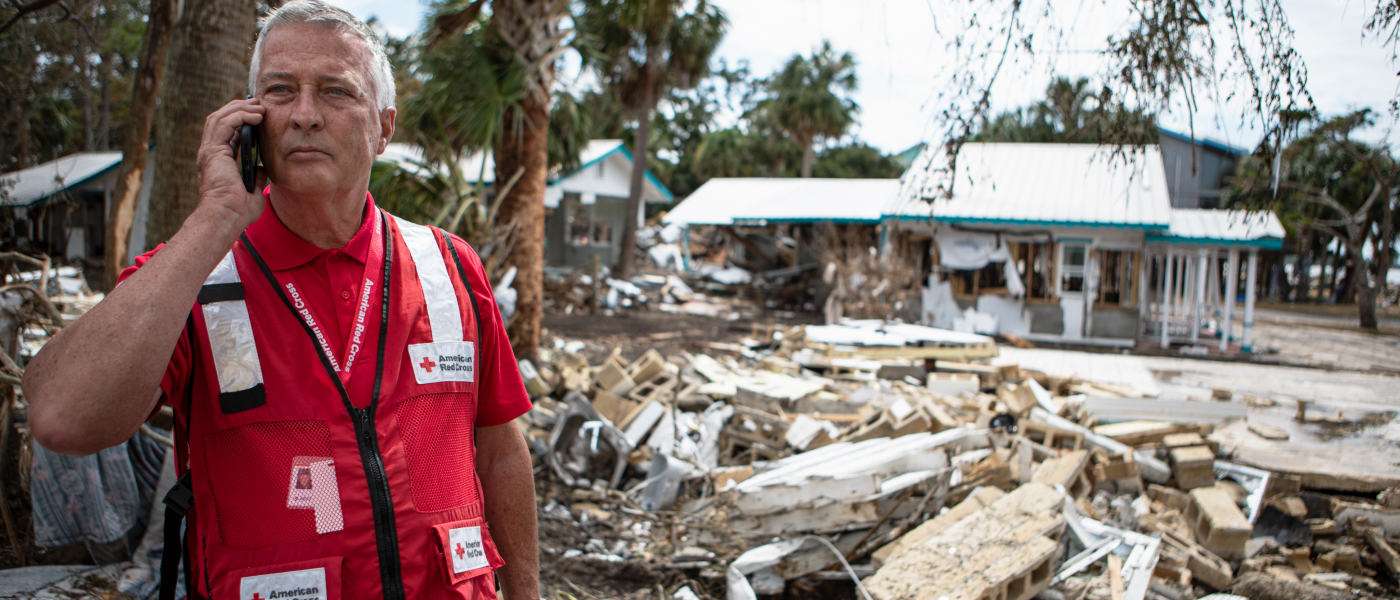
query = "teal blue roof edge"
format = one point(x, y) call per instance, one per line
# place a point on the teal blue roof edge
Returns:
point(654, 181)
point(747, 220)
point(623, 149)
point(1262, 243)
point(1033, 222)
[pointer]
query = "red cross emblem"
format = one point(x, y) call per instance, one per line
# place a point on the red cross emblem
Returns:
point(427, 364)
point(256, 596)
point(460, 553)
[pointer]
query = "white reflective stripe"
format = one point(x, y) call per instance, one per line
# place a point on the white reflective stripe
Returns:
point(444, 314)
point(231, 335)
point(224, 272)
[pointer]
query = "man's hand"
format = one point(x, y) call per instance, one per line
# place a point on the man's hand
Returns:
point(98, 379)
point(220, 180)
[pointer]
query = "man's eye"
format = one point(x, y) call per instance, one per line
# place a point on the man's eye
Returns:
point(339, 92)
point(278, 89)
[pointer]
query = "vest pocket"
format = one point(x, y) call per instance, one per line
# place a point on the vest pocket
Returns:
point(273, 482)
point(467, 552)
point(438, 442)
point(317, 579)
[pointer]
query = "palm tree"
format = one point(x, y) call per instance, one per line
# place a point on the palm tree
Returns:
point(526, 37)
point(135, 145)
point(208, 67)
point(1066, 104)
point(640, 49)
point(806, 103)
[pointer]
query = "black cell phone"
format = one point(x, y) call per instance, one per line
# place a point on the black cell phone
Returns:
point(247, 157)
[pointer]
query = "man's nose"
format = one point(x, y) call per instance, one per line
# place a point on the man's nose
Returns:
point(305, 113)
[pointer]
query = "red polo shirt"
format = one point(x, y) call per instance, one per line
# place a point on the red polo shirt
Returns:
point(330, 281)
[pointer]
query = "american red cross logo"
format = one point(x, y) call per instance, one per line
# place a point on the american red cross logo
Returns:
point(427, 364)
point(460, 552)
point(256, 596)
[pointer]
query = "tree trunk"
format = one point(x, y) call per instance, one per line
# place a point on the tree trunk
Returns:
point(208, 68)
point(525, 145)
point(104, 118)
point(135, 144)
point(1303, 293)
point(82, 88)
point(809, 156)
point(630, 223)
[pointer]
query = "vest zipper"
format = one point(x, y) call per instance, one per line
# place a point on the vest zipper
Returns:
point(386, 535)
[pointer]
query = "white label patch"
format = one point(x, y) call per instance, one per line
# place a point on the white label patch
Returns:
point(467, 552)
point(443, 361)
point(292, 585)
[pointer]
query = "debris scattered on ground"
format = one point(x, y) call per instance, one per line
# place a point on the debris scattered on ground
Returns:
point(879, 460)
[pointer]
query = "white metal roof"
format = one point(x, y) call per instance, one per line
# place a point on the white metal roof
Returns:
point(597, 151)
point(408, 154)
point(605, 169)
point(1039, 185)
point(726, 200)
point(27, 186)
point(1223, 228)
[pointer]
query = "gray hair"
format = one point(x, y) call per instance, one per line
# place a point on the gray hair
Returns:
point(307, 11)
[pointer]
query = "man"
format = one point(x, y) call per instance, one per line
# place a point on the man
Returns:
point(343, 388)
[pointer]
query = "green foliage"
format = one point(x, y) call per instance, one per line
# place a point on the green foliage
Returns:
point(856, 160)
point(49, 61)
point(1315, 162)
point(809, 97)
point(467, 84)
point(1069, 114)
point(642, 48)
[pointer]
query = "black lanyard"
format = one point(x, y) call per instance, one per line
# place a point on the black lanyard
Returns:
point(387, 241)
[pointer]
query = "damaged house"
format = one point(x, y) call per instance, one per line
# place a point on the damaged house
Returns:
point(584, 208)
point(1049, 242)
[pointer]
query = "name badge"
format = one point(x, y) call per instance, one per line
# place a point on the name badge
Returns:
point(309, 584)
point(443, 361)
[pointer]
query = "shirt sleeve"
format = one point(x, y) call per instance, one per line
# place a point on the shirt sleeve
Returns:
point(178, 371)
point(501, 395)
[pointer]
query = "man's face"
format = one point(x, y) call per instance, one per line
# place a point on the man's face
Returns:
point(322, 129)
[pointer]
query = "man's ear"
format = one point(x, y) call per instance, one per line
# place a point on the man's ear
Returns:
point(386, 127)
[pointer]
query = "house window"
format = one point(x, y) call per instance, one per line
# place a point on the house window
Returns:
point(585, 224)
point(1073, 258)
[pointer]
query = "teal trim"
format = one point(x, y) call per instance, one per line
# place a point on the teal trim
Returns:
point(1262, 243)
point(623, 149)
point(1074, 241)
point(652, 178)
point(746, 221)
point(1035, 223)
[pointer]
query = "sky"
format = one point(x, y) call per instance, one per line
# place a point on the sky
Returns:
point(903, 61)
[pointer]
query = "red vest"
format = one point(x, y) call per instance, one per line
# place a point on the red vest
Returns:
point(298, 493)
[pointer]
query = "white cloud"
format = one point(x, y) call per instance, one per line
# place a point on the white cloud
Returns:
point(901, 57)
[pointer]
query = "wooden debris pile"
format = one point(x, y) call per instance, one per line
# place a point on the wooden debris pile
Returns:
point(790, 461)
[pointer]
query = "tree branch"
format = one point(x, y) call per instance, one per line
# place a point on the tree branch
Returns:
point(36, 5)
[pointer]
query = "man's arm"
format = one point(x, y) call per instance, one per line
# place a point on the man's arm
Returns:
point(98, 379)
point(508, 488)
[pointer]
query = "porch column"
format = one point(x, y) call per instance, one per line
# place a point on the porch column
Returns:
point(1164, 309)
point(1246, 343)
point(1202, 265)
point(1232, 273)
